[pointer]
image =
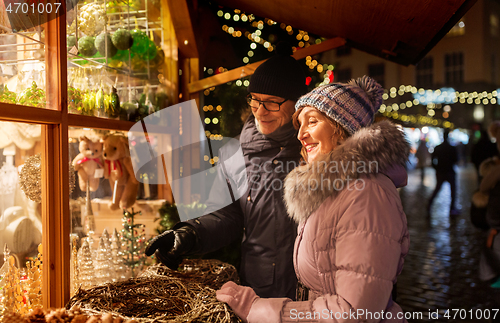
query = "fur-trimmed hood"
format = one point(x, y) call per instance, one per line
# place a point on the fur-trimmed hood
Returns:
point(379, 148)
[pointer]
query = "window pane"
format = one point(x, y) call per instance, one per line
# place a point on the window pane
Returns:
point(377, 72)
point(22, 60)
point(343, 75)
point(121, 65)
point(20, 207)
point(454, 68)
point(107, 243)
point(424, 73)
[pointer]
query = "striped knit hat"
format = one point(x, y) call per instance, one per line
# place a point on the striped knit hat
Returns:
point(352, 105)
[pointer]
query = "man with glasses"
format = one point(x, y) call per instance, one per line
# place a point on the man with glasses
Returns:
point(271, 150)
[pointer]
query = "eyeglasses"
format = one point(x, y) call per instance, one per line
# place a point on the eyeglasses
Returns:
point(268, 105)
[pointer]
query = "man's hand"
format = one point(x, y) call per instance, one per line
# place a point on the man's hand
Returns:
point(171, 246)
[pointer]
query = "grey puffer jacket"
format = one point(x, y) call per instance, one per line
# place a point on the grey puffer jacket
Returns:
point(260, 214)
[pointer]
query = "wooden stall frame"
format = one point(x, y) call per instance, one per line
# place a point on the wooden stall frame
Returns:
point(56, 121)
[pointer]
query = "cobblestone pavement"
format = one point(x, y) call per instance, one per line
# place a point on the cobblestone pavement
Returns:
point(441, 269)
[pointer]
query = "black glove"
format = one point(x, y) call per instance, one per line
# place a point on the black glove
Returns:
point(170, 246)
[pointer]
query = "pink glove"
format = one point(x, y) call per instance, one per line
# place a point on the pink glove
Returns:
point(239, 298)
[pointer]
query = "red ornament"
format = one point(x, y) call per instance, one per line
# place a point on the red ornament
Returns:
point(331, 77)
point(308, 80)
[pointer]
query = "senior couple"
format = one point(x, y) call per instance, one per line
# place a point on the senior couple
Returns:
point(342, 245)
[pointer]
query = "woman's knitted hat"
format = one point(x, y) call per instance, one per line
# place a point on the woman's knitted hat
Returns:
point(281, 75)
point(352, 105)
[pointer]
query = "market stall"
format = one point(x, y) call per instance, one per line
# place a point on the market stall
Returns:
point(74, 215)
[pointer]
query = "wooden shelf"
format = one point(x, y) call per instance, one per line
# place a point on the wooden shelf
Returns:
point(21, 113)
point(76, 120)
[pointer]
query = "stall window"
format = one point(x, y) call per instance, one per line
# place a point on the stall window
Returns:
point(343, 75)
point(454, 68)
point(377, 72)
point(425, 73)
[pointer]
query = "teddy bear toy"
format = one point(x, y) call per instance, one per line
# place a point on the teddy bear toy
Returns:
point(118, 169)
point(87, 162)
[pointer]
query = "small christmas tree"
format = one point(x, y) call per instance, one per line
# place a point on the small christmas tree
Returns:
point(92, 247)
point(107, 240)
point(73, 269)
point(104, 268)
point(122, 272)
point(13, 296)
point(169, 216)
point(134, 239)
point(86, 275)
point(34, 282)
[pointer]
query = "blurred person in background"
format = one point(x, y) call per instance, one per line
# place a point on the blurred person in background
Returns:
point(423, 157)
point(482, 150)
point(490, 186)
point(443, 159)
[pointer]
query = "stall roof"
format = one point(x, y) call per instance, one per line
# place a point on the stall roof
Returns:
point(397, 30)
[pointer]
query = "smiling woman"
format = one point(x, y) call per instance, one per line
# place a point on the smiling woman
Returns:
point(317, 133)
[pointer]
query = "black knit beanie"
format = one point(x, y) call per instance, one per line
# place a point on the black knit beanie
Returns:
point(281, 75)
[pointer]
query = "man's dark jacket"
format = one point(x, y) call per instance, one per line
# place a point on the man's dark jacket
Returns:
point(260, 215)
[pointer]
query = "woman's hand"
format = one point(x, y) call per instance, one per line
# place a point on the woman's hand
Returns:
point(239, 298)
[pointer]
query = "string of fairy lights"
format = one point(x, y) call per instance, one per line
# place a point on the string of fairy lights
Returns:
point(434, 100)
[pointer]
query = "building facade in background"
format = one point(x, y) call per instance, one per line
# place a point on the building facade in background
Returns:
point(462, 73)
